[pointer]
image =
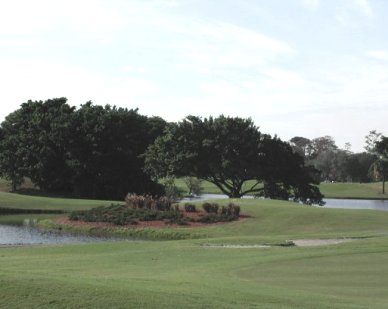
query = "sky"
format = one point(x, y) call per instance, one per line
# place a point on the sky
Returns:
point(296, 67)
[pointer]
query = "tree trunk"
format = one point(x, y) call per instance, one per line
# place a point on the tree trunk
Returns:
point(14, 186)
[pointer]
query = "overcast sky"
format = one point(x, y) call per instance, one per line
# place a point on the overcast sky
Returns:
point(296, 67)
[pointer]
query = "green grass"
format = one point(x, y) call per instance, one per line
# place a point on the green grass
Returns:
point(329, 190)
point(192, 273)
point(15, 200)
point(371, 190)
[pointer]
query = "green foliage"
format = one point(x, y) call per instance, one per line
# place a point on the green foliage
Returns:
point(93, 152)
point(193, 185)
point(214, 218)
point(230, 210)
point(172, 191)
point(123, 215)
point(210, 207)
point(190, 207)
point(228, 152)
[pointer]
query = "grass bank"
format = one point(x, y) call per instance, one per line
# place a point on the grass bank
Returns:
point(200, 271)
point(194, 273)
point(349, 190)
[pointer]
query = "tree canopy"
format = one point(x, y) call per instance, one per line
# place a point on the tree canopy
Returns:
point(93, 151)
point(228, 152)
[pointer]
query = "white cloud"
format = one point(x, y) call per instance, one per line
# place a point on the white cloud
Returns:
point(89, 18)
point(353, 13)
point(40, 80)
point(378, 54)
point(363, 6)
point(311, 3)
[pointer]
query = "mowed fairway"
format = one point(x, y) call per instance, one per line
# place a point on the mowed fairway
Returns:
point(206, 273)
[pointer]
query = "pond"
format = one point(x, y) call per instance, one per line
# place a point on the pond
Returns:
point(357, 204)
point(21, 230)
point(330, 203)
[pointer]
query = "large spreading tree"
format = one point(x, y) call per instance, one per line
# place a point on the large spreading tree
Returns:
point(231, 153)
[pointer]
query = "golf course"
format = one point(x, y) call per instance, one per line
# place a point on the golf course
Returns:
point(279, 255)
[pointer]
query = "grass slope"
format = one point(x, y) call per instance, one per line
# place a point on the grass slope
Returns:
point(329, 190)
point(371, 190)
point(15, 200)
point(193, 274)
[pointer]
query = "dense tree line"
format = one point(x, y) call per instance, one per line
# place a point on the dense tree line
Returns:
point(336, 164)
point(105, 152)
point(92, 151)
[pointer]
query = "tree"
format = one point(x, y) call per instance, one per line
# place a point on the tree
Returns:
point(94, 151)
point(193, 185)
point(106, 148)
point(322, 144)
point(10, 161)
point(381, 165)
point(34, 144)
point(370, 141)
point(302, 145)
point(357, 166)
point(228, 152)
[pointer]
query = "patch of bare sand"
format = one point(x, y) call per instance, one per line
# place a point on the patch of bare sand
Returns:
point(319, 242)
point(297, 242)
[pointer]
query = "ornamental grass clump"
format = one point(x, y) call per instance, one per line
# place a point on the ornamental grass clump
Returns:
point(135, 201)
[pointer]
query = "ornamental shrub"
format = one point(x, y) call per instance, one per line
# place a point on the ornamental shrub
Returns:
point(210, 207)
point(190, 207)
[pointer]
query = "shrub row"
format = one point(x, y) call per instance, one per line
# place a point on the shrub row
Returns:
point(147, 208)
point(228, 210)
point(122, 215)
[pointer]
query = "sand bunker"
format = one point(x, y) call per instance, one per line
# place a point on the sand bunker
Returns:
point(319, 242)
point(288, 243)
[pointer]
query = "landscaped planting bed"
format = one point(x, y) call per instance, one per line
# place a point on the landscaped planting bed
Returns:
point(141, 209)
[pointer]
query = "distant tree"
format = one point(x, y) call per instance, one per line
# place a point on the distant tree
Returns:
point(381, 165)
point(357, 166)
point(370, 141)
point(322, 144)
point(193, 185)
point(302, 145)
point(332, 164)
point(228, 152)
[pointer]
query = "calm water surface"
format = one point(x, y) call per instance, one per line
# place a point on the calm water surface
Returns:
point(24, 232)
point(21, 230)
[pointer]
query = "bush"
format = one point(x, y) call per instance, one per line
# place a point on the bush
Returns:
point(214, 218)
point(190, 207)
point(122, 215)
point(210, 207)
point(230, 210)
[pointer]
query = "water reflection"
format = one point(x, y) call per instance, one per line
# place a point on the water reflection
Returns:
point(24, 232)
